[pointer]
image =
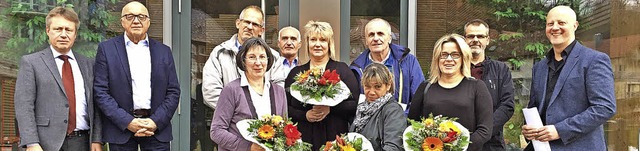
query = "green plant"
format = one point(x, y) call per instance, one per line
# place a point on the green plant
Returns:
point(27, 26)
point(513, 127)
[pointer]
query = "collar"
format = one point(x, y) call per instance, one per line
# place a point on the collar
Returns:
point(565, 53)
point(245, 82)
point(128, 41)
point(56, 53)
point(238, 45)
point(295, 61)
point(383, 60)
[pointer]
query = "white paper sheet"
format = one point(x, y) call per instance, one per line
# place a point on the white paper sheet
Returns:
point(532, 117)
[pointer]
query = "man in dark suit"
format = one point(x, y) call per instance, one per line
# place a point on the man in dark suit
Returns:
point(136, 86)
point(53, 101)
point(573, 89)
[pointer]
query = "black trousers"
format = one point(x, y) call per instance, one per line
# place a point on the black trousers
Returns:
point(76, 143)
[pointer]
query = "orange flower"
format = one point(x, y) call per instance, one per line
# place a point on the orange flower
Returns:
point(432, 144)
point(327, 146)
point(303, 76)
point(266, 132)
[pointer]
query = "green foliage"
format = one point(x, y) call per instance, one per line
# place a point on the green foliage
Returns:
point(28, 26)
point(538, 48)
point(513, 127)
point(506, 37)
point(516, 62)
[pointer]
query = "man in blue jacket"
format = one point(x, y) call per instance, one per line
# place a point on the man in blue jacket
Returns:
point(404, 66)
point(496, 75)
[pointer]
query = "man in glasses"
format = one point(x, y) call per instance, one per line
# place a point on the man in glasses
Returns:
point(136, 85)
point(496, 76)
point(53, 96)
point(221, 68)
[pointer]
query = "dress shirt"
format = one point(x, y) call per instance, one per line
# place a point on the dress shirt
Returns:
point(82, 119)
point(288, 66)
point(139, 57)
point(262, 103)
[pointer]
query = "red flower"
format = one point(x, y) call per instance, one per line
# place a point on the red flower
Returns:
point(330, 76)
point(292, 132)
point(451, 136)
point(291, 141)
point(322, 81)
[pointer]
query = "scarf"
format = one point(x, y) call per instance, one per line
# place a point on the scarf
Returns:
point(366, 109)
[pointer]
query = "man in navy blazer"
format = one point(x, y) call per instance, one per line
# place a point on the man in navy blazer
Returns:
point(573, 89)
point(136, 86)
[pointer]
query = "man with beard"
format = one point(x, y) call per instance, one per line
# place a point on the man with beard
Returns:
point(221, 68)
point(496, 76)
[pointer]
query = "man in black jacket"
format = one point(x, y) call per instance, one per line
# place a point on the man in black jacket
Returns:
point(496, 76)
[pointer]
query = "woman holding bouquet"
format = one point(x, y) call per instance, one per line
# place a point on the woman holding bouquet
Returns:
point(380, 119)
point(248, 97)
point(318, 123)
point(452, 92)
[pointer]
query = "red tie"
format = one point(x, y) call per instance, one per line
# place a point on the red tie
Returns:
point(69, 87)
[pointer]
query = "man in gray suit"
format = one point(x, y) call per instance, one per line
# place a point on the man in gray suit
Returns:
point(53, 99)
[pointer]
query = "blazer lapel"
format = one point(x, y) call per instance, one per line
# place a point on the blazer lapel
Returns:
point(50, 62)
point(543, 72)
point(84, 70)
point(567, 70)
point(156, 63)
point(122, 55)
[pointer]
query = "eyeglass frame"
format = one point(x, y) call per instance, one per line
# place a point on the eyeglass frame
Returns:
point(471, 36)
point(248, 22)
point(447, 55)
point(141, 17)
point(254, 59)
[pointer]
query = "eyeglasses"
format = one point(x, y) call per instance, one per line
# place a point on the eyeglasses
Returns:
point(247, 23)
point(253, 59)
point(475, 36)
point(140, 17)
point(454, 55)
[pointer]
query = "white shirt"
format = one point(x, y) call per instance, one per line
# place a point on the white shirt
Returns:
point(262, 103)
point(139, 57)
point(82, 118)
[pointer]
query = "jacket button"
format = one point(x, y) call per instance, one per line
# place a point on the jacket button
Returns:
point(66, 105)
point(65, 121)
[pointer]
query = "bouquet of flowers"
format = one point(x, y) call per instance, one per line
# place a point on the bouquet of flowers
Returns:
point(325, 88)
point(349, 142)
point(436, 133)
point(273, 133)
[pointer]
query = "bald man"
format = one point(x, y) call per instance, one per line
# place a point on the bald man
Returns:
point(572, 87)
point(136, 86)
point(406, 70)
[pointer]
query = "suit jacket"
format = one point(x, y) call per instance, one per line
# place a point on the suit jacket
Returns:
point(41, 104)
point(113, 92)
point(582, 101)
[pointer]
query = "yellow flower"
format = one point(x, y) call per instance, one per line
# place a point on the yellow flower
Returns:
point(428, 122)
point(266, 116)
point(448, 126)
point(347, 148)
point(276, 120)
point(266, 132)
point(432, 144)
point(315, 71)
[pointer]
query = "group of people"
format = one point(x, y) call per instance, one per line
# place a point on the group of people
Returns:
point(128, 96)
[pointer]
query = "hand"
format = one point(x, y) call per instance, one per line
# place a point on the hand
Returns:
point(143, 132)
point(313, 116)
point(547, 133)
point(529, 133)
point(256, 147)
point(543, 134)
point(34, 148)
point(135, 125)
point(96, 147)
point(149, 124)
point(323, 110)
